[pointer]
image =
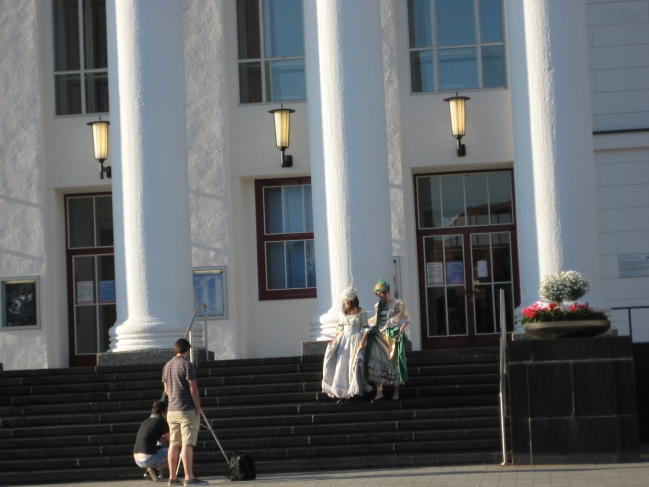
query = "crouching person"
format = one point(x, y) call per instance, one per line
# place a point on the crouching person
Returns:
point(146, 452)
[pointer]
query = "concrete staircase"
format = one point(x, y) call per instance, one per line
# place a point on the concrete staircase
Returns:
point(76, 424)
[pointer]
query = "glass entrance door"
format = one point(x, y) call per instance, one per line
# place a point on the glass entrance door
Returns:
point(91, 276)
point(467, 254)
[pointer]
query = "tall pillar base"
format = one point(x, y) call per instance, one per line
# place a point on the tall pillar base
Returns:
point(139, 357)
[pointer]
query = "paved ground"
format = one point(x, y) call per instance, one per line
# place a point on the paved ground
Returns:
point(624, 475)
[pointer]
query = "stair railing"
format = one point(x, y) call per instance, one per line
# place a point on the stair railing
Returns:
point(503, 373)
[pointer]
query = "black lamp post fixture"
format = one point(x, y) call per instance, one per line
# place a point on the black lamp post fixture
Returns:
point(458, 120)
point(100, 142)
point(283, 132)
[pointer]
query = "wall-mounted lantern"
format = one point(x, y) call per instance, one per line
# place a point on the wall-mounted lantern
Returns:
point(283, 132)
point(458, 120)
point(100, 143)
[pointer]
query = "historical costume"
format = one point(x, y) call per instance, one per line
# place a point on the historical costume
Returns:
point(342, 371)
point(385, 354)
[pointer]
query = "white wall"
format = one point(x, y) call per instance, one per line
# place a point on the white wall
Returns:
point(618, 40)
point(622, 169)
point(22, 205)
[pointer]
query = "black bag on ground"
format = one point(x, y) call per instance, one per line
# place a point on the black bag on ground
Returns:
point(242, 467)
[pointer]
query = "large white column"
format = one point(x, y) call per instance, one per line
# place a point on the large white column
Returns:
point(556, 150)
point(155, 188)
point(116, 180)
point(347, 133)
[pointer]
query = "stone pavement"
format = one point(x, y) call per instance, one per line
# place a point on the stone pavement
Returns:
point(617, 475)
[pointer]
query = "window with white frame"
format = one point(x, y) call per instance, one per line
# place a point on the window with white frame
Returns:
point(80, 56)
point(456, 45)
point(285, 249)
point(271, 51)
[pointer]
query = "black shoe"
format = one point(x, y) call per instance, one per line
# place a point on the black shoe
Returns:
point(341, 401)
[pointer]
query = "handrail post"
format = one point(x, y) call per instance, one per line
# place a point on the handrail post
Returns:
point(503, 371)
point(207, 352)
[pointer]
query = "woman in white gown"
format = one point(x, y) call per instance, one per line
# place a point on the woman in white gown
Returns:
point(342, 370)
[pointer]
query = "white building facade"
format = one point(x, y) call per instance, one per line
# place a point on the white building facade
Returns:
point(199, 208)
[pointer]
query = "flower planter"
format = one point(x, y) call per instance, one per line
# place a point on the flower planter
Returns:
point(567, 329)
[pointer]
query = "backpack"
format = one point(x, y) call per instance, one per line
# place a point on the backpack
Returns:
point(242, 467)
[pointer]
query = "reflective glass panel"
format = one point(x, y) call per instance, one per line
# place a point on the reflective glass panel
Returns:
point(493, 66)
point(285, 80)
point(456, 300)
point(421, 71)
point(500, 197)
point(248, 29)
point(273, 214)
point(250, 82)
point(491, 20)
point(458, 68)
point(106, 279)
point(97, 93)
point(454, 260)
point(66, 35)
point(436, 311)
point(84, 280)
point(310, 263)
point(484, 310)
point(293, 209)
point(453, 201)
point(107, 317)
point(275, 266)
point(295, 264)
point(455, 22)
point(419, 23)
point(502, 257)
point(86, 329)
point(428, 195)
point(481, 256)
point(283, 31)
point(80, 222)
point(94, 34)
point(477, 204)
point(104, 220)
point(68, 94)
point(308, 209)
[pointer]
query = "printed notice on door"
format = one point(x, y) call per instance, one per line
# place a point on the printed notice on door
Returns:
point(454, 273)
point(435, 273)
point(483, 270)
point(85, 292)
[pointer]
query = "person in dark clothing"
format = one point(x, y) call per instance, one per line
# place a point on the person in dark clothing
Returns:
point(146, 452)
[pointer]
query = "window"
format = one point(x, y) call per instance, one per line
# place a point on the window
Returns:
point(285, 253)
point(80, 56)
point(456, 44)
point(271, 50)
point(460, 200)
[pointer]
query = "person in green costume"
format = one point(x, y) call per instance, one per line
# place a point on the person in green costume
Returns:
point(385, 354)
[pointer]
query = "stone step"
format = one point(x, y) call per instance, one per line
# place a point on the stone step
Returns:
point(215, 465)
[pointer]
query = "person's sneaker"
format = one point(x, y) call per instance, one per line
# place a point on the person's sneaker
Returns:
point(196, 481)
point(174, 482)
point(152, 475)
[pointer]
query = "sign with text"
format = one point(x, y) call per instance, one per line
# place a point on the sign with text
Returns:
point(634, 265)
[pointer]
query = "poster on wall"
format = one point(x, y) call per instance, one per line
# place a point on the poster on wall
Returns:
point(20, 303)
point(85, 292)
point(483, 269)
point(454, 273)
point(435, 273)
point(210, 288)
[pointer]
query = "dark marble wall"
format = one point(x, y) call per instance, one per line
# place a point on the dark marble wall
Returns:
point(573, 400)
point(641, 357)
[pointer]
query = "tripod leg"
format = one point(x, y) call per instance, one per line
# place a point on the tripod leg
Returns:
point(209, 427)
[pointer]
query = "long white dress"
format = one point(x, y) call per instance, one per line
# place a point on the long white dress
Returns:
point(342, 370)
